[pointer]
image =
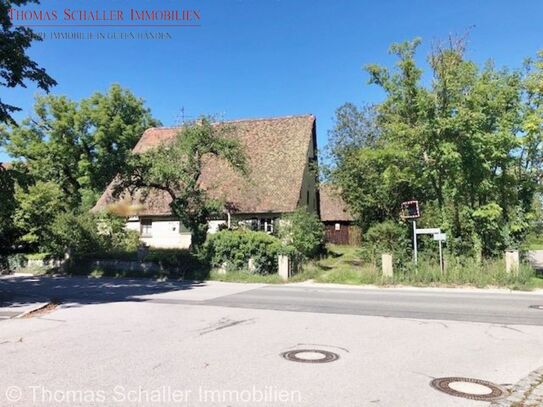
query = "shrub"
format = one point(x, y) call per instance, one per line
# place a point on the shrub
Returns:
point(4, 265)
point(387, 237)
point(86, 233)
point(115, 236)
point(17, 261)
point(304, 231)
point(37, 208)
point(77, 232)
point(235, 248)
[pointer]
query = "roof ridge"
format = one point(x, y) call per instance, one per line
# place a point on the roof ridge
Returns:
point(255, 119)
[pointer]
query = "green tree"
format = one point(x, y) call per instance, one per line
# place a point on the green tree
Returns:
point(16, 66)
point(176, 168)
point(38, 206)
point(456, 145)
point(8, 232)
point(80, 146)
point(354, 128)
point(304, 231)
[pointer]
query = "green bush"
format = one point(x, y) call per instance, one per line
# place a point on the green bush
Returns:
point(77, 232)
point(387, 237)
point(235, 248)
point(304, 231)
point(17, 261)
point(4, 265)
point(114, 235)
point(38, 256)
point(90, 234)
point(38, 206)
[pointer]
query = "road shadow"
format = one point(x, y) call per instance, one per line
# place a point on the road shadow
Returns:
point(75, 291)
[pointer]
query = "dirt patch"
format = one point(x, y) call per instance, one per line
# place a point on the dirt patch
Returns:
point(46, 309)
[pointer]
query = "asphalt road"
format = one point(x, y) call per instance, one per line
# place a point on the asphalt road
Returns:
point(499, 307)
point(144, 343)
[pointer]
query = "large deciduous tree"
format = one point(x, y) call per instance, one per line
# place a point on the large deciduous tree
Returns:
point(176, 168)
point(16, 67)
point(9, 178)
point(38, 205)
point(467, 146)
point(79, 146)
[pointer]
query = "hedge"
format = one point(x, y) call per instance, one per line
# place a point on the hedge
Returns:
point(233, 249)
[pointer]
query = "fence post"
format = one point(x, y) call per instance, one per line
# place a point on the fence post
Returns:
point(511, 261)
point(386, 260)
point(283, 267)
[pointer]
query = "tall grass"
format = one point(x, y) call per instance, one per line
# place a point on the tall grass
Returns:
point(466, 271)
point(345, 265)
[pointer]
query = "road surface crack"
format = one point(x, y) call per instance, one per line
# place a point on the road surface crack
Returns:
point(225, 323)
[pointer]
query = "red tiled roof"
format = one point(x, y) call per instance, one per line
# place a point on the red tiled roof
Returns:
point(333, 207)
point(276, 151)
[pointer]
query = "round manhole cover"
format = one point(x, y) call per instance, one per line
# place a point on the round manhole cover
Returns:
point(468, 388)
point(310, 356)
point(537, 307)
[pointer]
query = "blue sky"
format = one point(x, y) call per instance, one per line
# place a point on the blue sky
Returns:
point(260, 58)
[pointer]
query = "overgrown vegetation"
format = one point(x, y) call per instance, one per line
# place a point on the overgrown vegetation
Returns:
point(247, 250)
point(467, 146)
point(348, 265)
point(65, 155)
point(304, 231)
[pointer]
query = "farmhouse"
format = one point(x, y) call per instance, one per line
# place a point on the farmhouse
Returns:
point(281, 155)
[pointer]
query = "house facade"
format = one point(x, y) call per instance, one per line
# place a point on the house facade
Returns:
point(281, 157)
point(338, 221)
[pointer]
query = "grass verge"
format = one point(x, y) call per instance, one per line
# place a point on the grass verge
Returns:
point(344, 265)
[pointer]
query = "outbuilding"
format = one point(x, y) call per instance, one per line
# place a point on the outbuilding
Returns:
point(337, 218)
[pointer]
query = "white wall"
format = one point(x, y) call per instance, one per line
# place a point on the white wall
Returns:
point(213, 225)
point(165, 234)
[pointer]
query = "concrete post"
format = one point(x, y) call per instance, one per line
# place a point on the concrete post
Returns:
point(251, 266)
point(222, 268)
point(283, 267)
point(386, 260)
point(511, 261)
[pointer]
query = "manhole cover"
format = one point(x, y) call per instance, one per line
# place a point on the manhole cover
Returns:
point(536, 306)
point(310, 356)
point(468, 388)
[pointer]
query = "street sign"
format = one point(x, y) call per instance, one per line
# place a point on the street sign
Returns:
point(440, 236)
point(410, 210)
point(429, 231)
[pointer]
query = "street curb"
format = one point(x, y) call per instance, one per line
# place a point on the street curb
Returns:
point(523, 392)
point(33, 309)
point(473, 290)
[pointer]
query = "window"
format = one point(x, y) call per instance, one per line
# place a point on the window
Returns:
point(265, 225)
point(307, 198)
point(146, 228)
point(338, 226)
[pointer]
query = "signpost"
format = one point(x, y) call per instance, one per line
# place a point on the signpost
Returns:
point(410, 210)
point(441, 237)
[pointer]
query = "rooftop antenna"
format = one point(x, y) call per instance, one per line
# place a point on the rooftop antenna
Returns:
point(181, 118)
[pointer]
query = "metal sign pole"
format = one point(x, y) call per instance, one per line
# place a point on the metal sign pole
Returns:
point(441, 265)
point(415, 241)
